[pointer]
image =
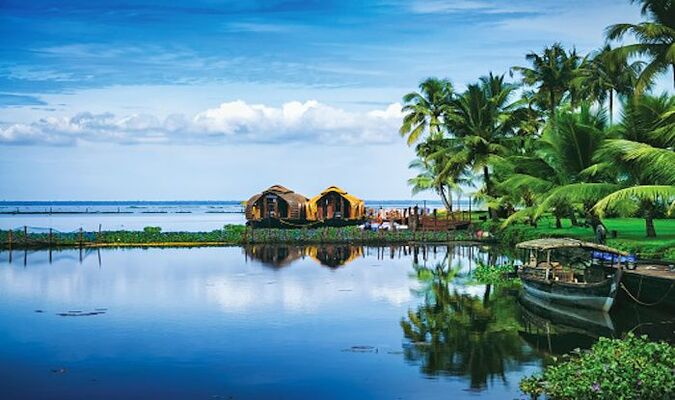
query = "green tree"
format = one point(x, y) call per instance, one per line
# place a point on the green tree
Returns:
point(482, 124)
point(642, 159)
point(552, 74)
point(606, 74)
point(424, 111)
point(655, 40)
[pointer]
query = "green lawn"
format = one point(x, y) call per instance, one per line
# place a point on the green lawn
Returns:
point(631, 234)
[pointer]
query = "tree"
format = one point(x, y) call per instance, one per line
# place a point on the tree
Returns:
point(605, 74)
point(424, 111)
point(483, 122)
point(642, 158)
point(552, 74)
point(655, 40)
point(555, 173)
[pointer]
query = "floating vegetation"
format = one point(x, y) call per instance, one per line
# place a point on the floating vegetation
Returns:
point(79, 313)
point(362, 349)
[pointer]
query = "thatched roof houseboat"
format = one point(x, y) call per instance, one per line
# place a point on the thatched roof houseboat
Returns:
point(276, 205)
point(335, 204)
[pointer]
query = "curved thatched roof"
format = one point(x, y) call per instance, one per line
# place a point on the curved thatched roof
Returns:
point(296, 202)
point(358, 206)
point(566, 243)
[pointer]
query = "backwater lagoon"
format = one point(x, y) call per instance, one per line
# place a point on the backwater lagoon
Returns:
point(281, 322)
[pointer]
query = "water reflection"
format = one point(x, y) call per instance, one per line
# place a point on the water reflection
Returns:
point(276, 256)
point(462, 334)
point(265, 320)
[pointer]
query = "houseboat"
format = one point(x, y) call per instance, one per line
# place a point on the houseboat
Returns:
point(277, 207)
point(572, 272)
point(336, 207)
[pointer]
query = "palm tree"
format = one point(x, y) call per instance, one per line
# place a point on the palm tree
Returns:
point(483, 122)
point(552, 73)
point(643, 158)
point(605, 74)
point(655, 37)
point(556, 173)
point(424, 111)
point(430, 178)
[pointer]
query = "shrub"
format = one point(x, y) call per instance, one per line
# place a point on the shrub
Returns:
point(630, 368)
point(152, 229)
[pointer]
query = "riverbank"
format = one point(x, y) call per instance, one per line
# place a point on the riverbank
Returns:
point(630, 235)
point(229, 235)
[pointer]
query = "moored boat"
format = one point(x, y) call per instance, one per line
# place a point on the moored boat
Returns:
point(572, 272)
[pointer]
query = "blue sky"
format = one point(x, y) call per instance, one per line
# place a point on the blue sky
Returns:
point(210, 99)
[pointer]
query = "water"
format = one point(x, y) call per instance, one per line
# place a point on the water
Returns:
point(190, 216)
point(275, 322)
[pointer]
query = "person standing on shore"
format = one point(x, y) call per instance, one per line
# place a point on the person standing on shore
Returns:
point(600, 233)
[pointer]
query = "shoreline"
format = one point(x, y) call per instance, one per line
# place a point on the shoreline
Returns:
point(236, 235)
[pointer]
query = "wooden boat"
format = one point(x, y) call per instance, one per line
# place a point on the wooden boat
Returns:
point(572, 272)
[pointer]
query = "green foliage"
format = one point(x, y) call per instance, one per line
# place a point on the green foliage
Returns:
point(152, 229)
point(630, 368)
point(492, 274)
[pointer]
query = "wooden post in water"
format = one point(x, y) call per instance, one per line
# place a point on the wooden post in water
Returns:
point(9, 239)
point(50, 239)
point(80, 239)
point(25, 234)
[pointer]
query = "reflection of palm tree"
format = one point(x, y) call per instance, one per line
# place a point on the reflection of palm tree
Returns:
point(460, 334)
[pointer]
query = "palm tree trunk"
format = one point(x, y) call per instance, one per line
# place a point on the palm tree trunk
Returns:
point(611, 107)
point(649, 220)
point(488, 189)
point(551, 97)
point(573, 218)
point(446, 198)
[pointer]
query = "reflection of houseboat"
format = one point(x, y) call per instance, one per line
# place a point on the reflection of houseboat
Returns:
point(274, 255)
point(276, 207)
point(335, 207)
point(572, 272)
point(334, 255)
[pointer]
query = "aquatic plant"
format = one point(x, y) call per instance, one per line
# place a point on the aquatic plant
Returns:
point(630, 368)
point(493, 274)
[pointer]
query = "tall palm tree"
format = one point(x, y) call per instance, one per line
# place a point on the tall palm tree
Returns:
point(643, 158)
point(424, 111)
point(556, 172)
point(605, 74)
point(655, 39)
point(483, 122)
point(430, 178)
point(551, 73)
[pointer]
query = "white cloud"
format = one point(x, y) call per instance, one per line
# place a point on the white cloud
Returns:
point(231, 122)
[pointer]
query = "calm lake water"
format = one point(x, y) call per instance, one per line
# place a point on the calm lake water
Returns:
point(278, 322)
point(190, 216)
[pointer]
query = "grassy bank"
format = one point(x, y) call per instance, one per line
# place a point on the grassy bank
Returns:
point(229, 235)
point(630, 235)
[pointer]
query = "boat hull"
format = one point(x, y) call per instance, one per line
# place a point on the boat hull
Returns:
point(596, 296)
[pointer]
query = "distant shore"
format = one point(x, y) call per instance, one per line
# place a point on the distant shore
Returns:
point(232, 235)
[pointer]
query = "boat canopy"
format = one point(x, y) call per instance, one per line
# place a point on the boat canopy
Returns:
point(357, 207)
point(566, 243)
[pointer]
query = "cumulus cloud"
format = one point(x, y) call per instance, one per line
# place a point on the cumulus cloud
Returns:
point(231, 122)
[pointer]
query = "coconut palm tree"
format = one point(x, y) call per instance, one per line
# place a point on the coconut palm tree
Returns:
point(642, 158)
point(605, 74)
point(483, 123)
point(556, 173)
point(552, 74)
point(424, 111)
point(430, 178)
point(655, 40)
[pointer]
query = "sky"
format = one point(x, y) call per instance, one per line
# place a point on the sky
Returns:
point(217, 100)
